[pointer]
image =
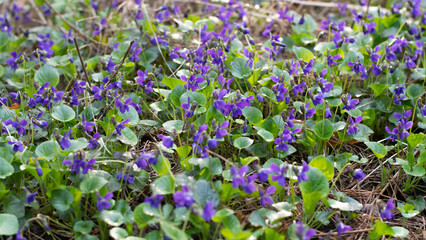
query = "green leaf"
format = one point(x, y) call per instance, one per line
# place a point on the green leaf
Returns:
point(48, 150)
point(128, 137)
point(173, 232)
point(6, 169)
point(92, 63)
point(185, 26)
point(322, 47)
point(414, 91)
point(315, 188)
point(378, 89)
point(240, 69)
point(4, 40)
point(84, 227)
point(93, 184)
point(324, 129)
point(8, 224)
point(363, 133)
point(175, 95)
point(419, 203)
point(268, 93)
point(162, 167)
point(400, 232)
point(417, 171)
point(253, 114)
point(378, 149)
point(380, 229)
point(232, 223)
point(61, 199)
point(277, 216)
point(272, 234)
point(113, 217)
point(118, 233)
point(243, 142)
point(254, 77)
point(418, 73)
point(352, 56)
point(384, 104)
point(303, 53)
point(193, 97)
point(324, 165)
point(148, 122)
point(257, 218)
point(63, 113)
point(408, 210)
point(1, 71)
point(163, 185)
point(77, 144)
point(347, 204)
point(308, 26)
point(141, 218)
point(203, 193)
point(47, 74)
point(248, 160)
point(415, 139)
point(169, 126)
point(222, 214)
point(132, 114)
point(149, 55)
point(172, 82)
point(13, 205)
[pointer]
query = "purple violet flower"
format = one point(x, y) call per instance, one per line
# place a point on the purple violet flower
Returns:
point(124, 107)
point(410, 62)
point(209, 211)
point(352, 129)
point(217, 56)
point(279, 174)
point(86, 125)
point(302, 233)
point(374, 56)
point(30, 197)
point(386, 213)
point(103, 202)
point(302, 175)
point(183, 198)
point(297, 88)
point(64, 141)
point(238, 176)
point(155, 200)
point(342, 228)
point(110, 65)
point(308, 112)
point(94, 142)
point(78, 165)
point(331, 59)
point(402, 126)
point(144, 81)
point(126, 178)
point(356, 174)
point(14, 60)
point(265, 196)
point(192, 82)
point(120, 126)
point(17, 146)
point(189, 108)
point(167, 140)
point(250, 56)
point(349, 103)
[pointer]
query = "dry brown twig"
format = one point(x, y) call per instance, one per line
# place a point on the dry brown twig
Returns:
point(82, 62)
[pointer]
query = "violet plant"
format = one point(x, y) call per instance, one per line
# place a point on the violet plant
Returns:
point(205, 121)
